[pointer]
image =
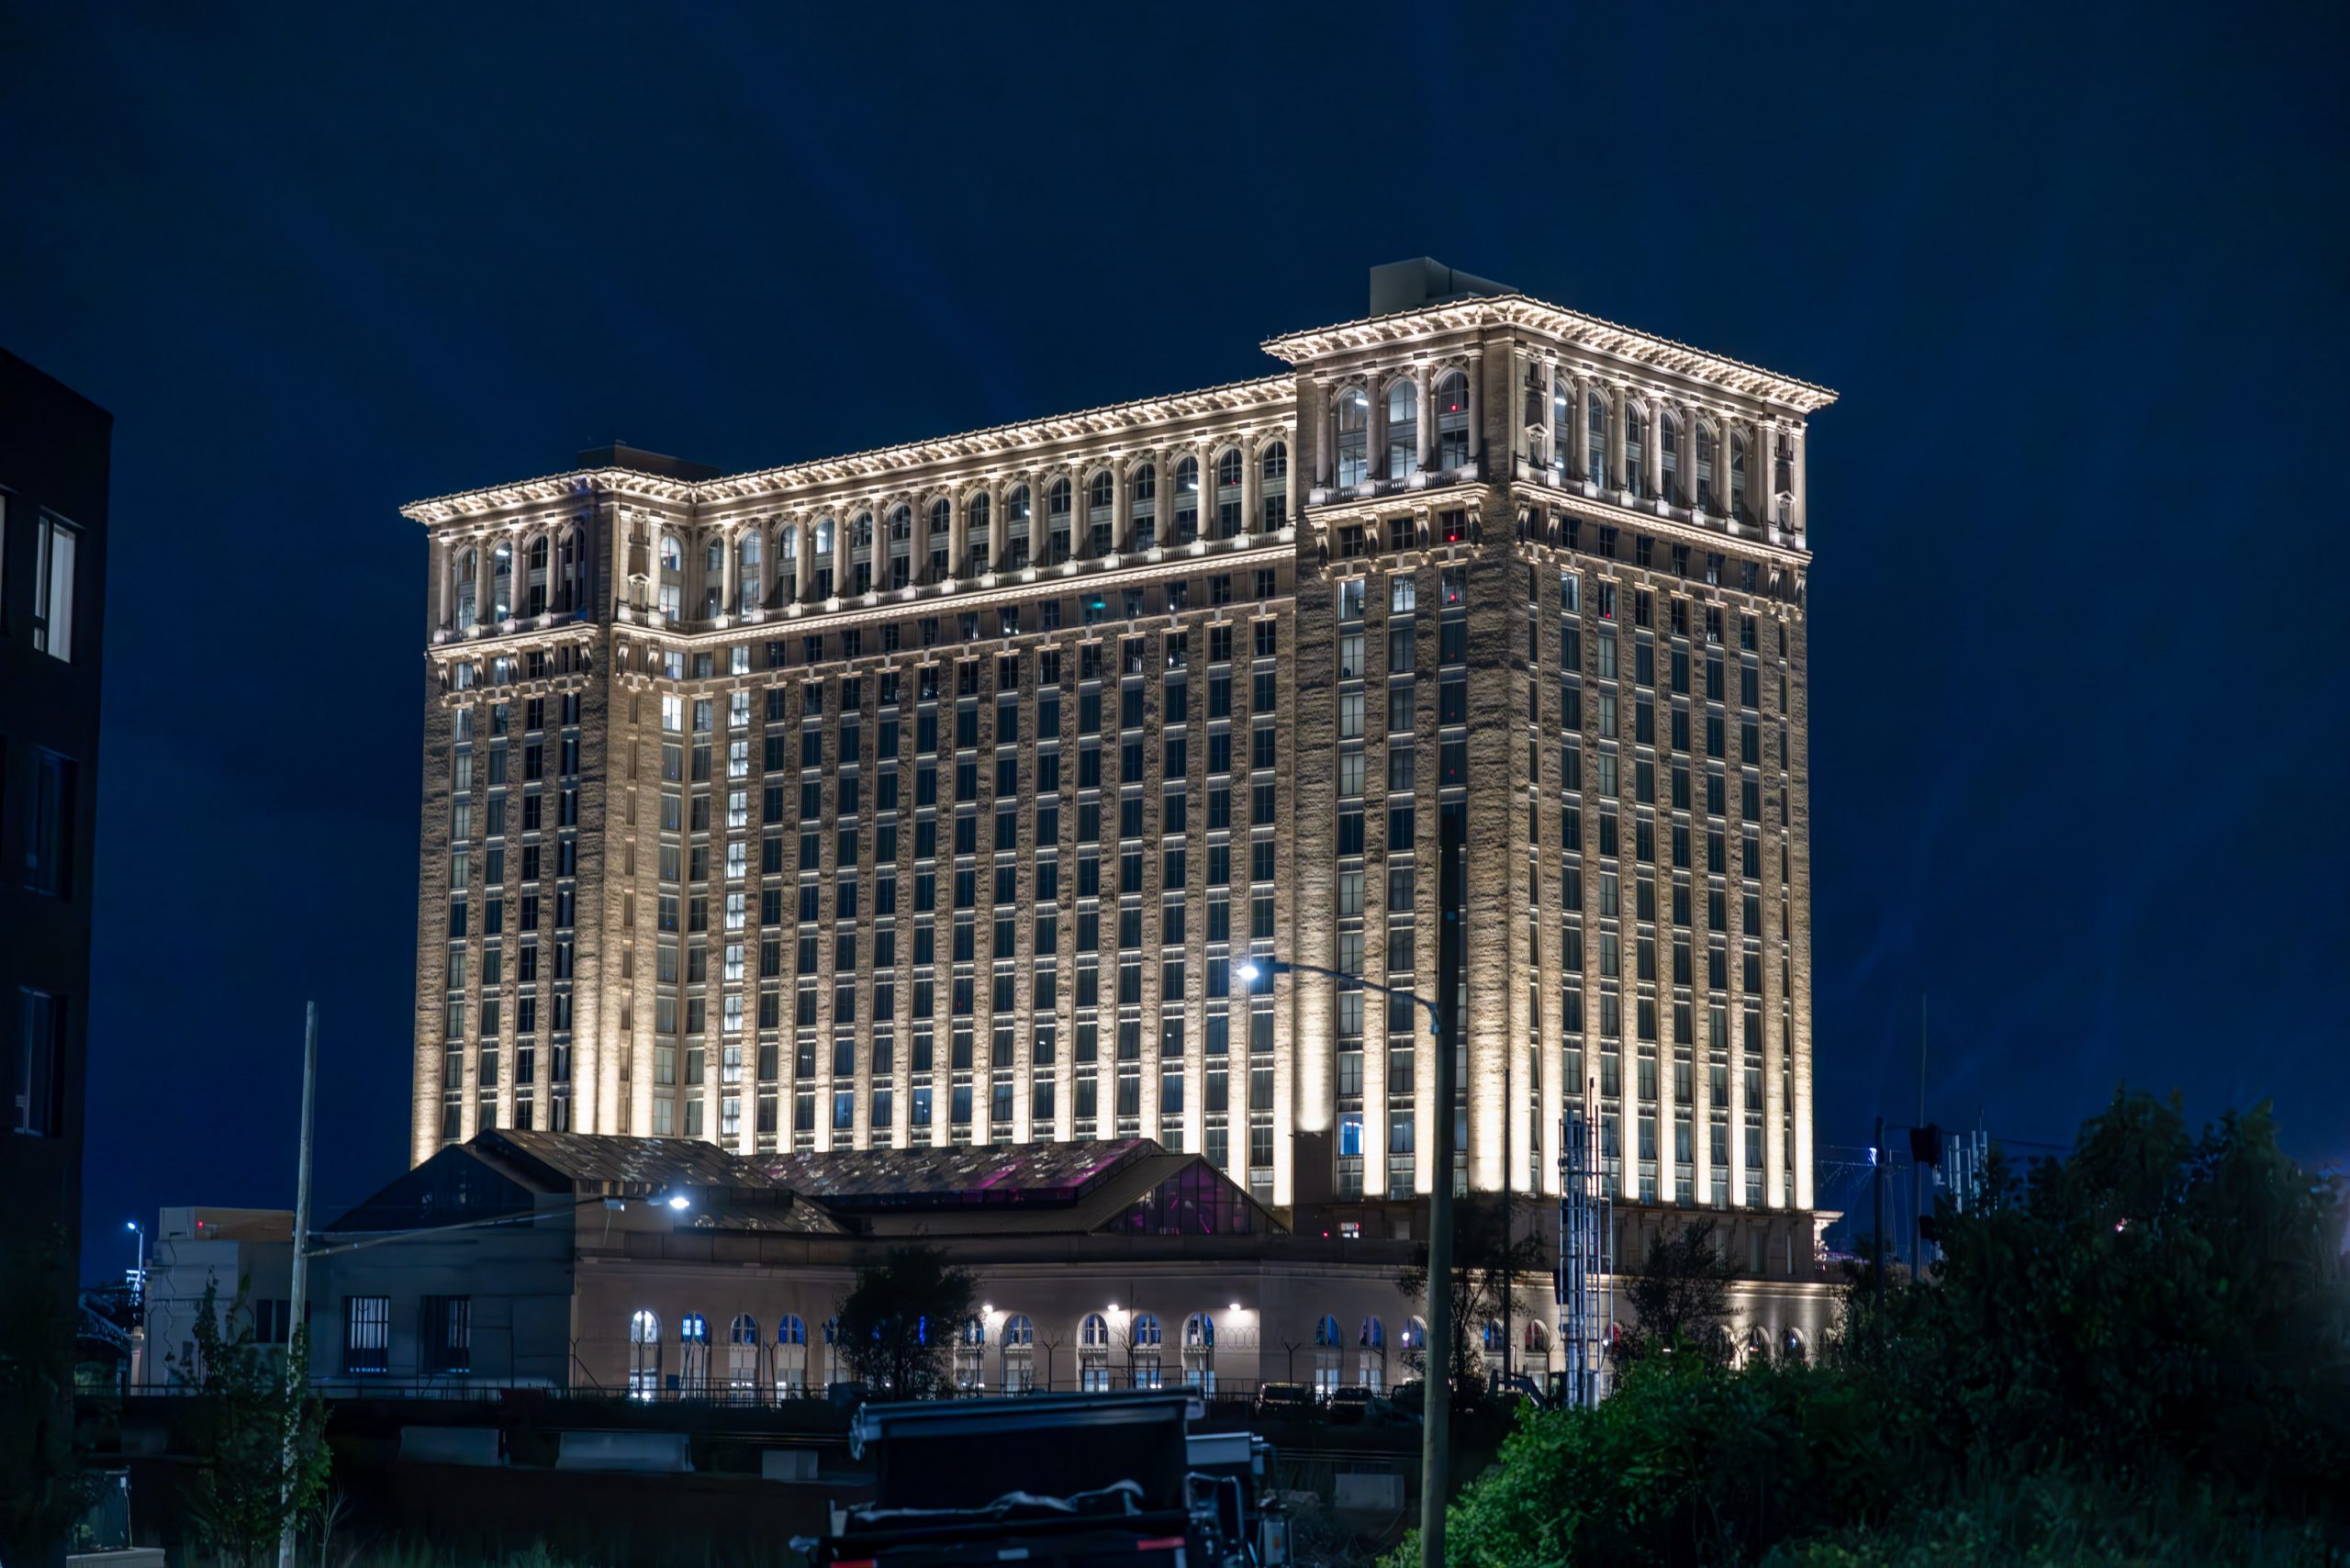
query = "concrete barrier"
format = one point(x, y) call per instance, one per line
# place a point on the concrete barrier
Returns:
point(1369, 1494)
point(450, 1445)
point(788, 1465)
point(665, 1453)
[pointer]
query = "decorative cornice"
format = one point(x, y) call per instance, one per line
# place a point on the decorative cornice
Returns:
point(1031, 440)
point(1587, 332)
point(1269, 394)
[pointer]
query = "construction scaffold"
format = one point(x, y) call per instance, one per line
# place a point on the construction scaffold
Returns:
point(1586, 1281)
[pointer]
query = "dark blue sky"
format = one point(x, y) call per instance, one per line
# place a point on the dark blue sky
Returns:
point(2079, 273)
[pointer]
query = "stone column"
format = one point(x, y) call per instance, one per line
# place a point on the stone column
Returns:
point(1802, 508)
point(729, 572)
point(485, 578)
point(1251, 483)
point(1424, 418)
point(1375, 429)
point(1120, 515)
point(1476, 409)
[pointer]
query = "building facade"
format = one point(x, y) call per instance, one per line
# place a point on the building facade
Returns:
point(556, 1260)
point(55, 449)
point(937, 795)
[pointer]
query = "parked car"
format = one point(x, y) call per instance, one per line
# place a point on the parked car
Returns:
point(1285, 1399)
point(1351, 1405)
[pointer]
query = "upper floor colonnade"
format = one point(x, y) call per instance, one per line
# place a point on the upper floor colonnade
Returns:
point(673, 570)
point(1421, 424)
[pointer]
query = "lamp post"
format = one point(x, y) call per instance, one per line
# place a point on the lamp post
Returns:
point(138, 1274)
point(1435, 1404)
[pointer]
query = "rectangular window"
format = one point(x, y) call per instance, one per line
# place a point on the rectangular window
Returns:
point(445, 1334)
point(366, 1333)
point(49, 825)
point(37, 1044)
point(53, 590)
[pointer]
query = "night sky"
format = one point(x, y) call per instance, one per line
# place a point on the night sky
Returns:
point(2077, 515)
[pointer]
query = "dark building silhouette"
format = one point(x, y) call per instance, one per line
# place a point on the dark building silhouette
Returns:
point(54, 447)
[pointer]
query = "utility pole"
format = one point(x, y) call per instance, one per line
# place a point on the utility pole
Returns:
point(1917, 1171)
point(1435, 1405)
point(1878, 1182)
point(297, 1339)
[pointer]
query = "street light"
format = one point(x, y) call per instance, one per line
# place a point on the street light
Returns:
point(674, 1198)
point(139, 1275)
point(1437, 1386)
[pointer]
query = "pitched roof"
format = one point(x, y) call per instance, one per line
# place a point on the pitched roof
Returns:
point(993, 1174)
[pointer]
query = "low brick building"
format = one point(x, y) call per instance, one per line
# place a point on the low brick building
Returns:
point(557, 1259)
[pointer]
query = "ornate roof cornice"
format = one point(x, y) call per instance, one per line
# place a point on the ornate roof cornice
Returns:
point(578, 486)
point(1029, 440)
point(1587, 332)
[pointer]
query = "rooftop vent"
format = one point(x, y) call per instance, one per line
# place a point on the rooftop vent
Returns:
point(620, 454)
point(1423, 280)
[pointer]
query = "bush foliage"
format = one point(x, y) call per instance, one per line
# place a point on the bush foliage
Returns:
point(2137, 1354)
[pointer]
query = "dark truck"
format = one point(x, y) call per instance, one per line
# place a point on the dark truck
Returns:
point(1057, 1479)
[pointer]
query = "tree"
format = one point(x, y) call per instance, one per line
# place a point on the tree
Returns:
point(898, 1324)
point(43, 1488)
point(1680, 1296)
point(1488, 1263)
point(2139, 1353)
point(261, 1432)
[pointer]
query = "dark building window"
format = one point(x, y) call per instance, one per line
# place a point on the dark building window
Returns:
point(37, 1048)
point(366, 1333)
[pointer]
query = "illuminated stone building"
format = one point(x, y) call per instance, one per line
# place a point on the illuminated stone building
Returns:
point(932, 795)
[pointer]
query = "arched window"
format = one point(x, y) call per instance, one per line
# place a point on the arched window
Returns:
point(693, 1364)
point(468, 586)
point(1329, 1356)
point(1490, 1339)
point(1187, 501)
point(1092, 1354)
point(742, 1359)
point(748, 561)
point(1229, 470)
point(970, 1353)
point(787, 544)
point(1019, 1354)
point(1792, 1350)
point(1636, 434)
point(501, 580)
point(1058, 500)
point(1147, 1340)
point(1015, 523)
point(1402, 430)
point(790, 1357)
point(942, 537)
point(1757, 1346)
point(672, 600)
point(534, 588)
point(1272, 488)
point(1705, 465)
point(1595, 432)
point(1668, 441)
point(860, 553)
point(1372, 1341)
point(1143, 495)
point(643, 1355)
point(902, 546)
point(976, 535)
point(824, 557)
point(1100, 504)
point(1199, 1352)
point(1452, 421)
point(823, 539)
point(1354, 435)
point(1538, 1338)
